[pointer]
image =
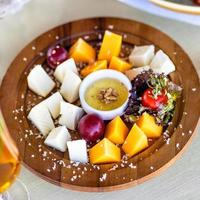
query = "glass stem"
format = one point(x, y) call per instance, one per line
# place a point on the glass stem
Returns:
point(5, 196)
point(18, 191)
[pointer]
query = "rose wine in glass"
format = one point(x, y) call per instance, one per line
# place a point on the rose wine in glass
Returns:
point(9, 167)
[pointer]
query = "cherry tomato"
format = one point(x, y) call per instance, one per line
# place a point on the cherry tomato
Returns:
point(149, 101)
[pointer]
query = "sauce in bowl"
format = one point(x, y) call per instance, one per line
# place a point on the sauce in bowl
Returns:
point(106, 94)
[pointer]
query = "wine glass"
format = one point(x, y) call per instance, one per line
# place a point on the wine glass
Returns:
point(10, 167)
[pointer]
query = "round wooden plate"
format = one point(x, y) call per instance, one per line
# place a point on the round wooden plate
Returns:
point(16, 100)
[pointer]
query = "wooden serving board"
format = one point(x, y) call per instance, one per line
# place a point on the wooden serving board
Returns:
point(16, 100)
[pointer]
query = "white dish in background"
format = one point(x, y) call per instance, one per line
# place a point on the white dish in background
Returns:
point(147, 6)
point(183, 7)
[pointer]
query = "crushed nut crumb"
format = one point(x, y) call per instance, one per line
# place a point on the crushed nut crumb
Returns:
point(107, 95)
point(168, 141)
point(151, 167)
point(104, 176)
point(86, 37)
point(194, 89)
point(110, 26)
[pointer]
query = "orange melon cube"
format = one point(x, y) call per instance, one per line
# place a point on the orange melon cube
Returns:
point(81, 51)
point(98, 65)
point(135, 142)
point(118, 64)
point(116, 131)
point(110, 46)
point(148, 125)
point(104, 152)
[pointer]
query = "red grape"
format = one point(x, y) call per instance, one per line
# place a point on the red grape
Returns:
point(197, 2)
point(91, 127)
point(56, 55)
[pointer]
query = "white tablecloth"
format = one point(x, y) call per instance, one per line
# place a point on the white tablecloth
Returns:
point(182, 180)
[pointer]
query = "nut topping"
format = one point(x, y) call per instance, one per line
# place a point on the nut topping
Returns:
point(107, 95)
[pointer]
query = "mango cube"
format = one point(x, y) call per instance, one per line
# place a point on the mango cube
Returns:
point(104, 152)
point(116, 131)
point(81, 51)
point(118, 64)
point(135, 142)
point(148, 125)
point(111, 46)
point(101, 64)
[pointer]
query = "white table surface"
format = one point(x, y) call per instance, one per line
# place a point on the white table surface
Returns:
point(182, 180)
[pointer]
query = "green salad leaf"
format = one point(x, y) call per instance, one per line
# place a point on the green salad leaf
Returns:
point(158, 83)
point(165, 114)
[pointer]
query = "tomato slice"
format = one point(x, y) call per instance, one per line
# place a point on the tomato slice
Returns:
point(149, 101)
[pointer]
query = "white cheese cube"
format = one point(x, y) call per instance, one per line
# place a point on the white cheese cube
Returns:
point(41, 118)
point(39, 81)
point(77, 151)
point(58, 138)
point(70, 86)
point(53, 104)
point(70, 115)
point(63, 67)
point(161, 63)
point(132, 73)
point(142, 55)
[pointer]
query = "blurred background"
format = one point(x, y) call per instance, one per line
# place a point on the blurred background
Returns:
point(23, 20)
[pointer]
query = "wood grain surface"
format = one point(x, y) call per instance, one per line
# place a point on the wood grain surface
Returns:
point(16, 100)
